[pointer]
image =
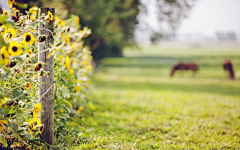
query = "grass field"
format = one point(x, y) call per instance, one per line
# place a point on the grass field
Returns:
point(136, 105)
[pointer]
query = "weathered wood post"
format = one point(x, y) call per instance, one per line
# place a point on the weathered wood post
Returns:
point(46, 91)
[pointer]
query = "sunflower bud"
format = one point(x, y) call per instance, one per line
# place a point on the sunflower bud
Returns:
point(41, 72)
point(58, 43)
point(28, 85)
point(8, 35)
point(38, 66)
point(48, 73)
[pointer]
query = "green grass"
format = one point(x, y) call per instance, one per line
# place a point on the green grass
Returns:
point(135, 107)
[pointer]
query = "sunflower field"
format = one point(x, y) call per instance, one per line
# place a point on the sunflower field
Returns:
point(20, 70)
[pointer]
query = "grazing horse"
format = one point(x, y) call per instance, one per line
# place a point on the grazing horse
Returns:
point(228, 67)
point(184, 66)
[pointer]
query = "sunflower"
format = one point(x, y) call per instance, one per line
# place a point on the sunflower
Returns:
point(71, 73)
point(77, 88)
point(5, 12)
point(37, 108)
point(10, 3)
point(30, 52)
point(77, 21)
point(56, 18)
point(3, 30)
point(41, 38)
point(49, 17)
point(32, 125)
point(85, 33)
point(89, 68)
point(38, 66)
point(60, 22)
point(41, 128)
point(2, 123)
point(84, 63)
point(17, 70)
point(72, 46)
point(28, 85)
point(15, 48)
point(33, 10)
point(28, 39)
point(68, 29)
point(10, 33)
point(5, 55)
point(67, 63)
point(10, 103)
point(67, 39)
point(33, 17)
point(15, 13)
point(12, 64)
point(79, 109)
point(61, 57)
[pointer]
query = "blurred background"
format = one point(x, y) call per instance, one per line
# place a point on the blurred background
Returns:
point(157, 34)
point(122, 27)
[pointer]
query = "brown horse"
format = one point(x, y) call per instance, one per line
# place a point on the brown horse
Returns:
point(228, 67)
point(184, 66)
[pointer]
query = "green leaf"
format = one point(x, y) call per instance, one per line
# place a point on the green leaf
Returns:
point(19, 59)
point(91, 106)
point(13, 126)
point(2, 42)
point(19, 111)
point(16, 92)
point(3, 18)
point(11, 111)
point(28, 135)
point(3, 141)
point(41, 22)
point(22, 5)
point(4, 110)
point(65, 92)
point(9, 23)
point(66, 102)
point(6, 70)
point(37, 142)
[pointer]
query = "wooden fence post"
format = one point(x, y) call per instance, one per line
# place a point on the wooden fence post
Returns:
point(46, 91)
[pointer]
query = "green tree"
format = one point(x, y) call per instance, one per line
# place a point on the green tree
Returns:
point(113, 21)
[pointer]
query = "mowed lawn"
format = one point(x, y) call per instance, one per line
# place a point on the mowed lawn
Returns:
point(136, 105)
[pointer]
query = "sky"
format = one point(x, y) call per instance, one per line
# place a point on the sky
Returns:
point(209, 16)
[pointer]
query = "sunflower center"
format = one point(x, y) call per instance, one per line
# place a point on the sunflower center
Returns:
point(28, 38)
point(14, 48)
